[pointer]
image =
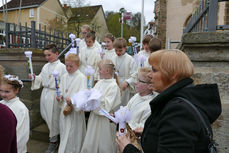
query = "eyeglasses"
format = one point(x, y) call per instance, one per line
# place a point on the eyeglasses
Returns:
point(142, 81)
point(84, 32)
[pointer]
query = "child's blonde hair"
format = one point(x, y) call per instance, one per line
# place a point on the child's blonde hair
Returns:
point(13, 81)
point(110, 36)
point(73, 58)
point(86, 27)
point(109, 64)
point(144, 71)
point(119, 43)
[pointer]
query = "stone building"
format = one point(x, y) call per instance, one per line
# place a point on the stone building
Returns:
point(171, 16)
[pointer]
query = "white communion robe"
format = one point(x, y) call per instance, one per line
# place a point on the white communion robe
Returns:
point(126, 66)
point(50, 111)
point(100, 136)
point(83, 44)
point(109, 55)
point(22, 114)
point(90, 56)
point(133, 79)
point(72, 126)
point(140, 109)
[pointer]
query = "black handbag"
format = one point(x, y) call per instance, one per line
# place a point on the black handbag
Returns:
point(212, 145)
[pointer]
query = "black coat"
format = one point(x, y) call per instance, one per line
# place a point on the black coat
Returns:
point(173, 126)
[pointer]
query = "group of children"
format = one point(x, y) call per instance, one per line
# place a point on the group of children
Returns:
point(117, 76)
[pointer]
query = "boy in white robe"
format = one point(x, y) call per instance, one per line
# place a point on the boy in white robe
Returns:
point(150, 45)
point(90, 55)
point(100, 136)
point(9, 89)
point(139, 103)
point(50, 111)
point(84, 30)
point(125, 66)
point(73, 125)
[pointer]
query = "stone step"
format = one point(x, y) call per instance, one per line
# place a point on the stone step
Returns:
point(40, 133)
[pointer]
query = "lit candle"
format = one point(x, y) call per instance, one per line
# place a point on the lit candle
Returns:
point(28, 55)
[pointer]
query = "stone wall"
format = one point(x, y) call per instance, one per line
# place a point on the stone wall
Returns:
point(210, 54)
point(14, 62)
point(160, 20)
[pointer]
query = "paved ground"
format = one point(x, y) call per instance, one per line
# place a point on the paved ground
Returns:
point(35, 146)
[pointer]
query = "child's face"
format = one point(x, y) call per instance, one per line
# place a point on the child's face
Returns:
point(146, 47)
point(50, 56)
point(89, 42)
point(120, 51)
point(142, 86)
point(83, 33)
point(103, 71)
point(71, 67)
point(7, 92)
point(109, 43)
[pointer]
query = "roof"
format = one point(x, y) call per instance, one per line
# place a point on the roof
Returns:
point(13, 4)
point(84, 13)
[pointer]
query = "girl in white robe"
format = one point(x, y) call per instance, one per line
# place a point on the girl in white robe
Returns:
point(8, 92)
point(139, 103)
point(90, 55)
point(49, 109)
point(110, 51)
point(126, 66)
point(73, 125)
point(100, 135)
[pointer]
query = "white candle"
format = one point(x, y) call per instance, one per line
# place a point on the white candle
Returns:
point(28, 55)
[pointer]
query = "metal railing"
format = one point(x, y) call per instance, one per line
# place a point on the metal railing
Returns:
point(205, 18)
point(29, 37)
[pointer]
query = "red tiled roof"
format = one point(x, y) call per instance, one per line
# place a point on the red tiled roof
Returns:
point(16, 3)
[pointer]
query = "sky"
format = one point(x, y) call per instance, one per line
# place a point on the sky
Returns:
point(130, 5)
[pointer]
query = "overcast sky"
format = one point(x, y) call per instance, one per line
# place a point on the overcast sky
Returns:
point(130, 5)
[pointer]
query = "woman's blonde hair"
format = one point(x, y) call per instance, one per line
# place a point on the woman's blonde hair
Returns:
point(73, 58)
point(172, 63)
point(1, 73)
point(109, 64)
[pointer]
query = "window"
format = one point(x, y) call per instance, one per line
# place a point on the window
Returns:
point(31, 13)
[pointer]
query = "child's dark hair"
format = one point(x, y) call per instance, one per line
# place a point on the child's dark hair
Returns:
point(146, 39)
point(13, 81)
point(52, 47)
point(110, 36)
point(154, 44)
point(119, 43)
point(91, 34)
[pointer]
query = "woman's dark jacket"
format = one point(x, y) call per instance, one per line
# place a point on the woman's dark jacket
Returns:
point(173, 126)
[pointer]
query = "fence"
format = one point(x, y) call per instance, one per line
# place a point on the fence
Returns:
point(29, 37)
point(205, 18)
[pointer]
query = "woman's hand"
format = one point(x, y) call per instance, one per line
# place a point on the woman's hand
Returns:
point(122, 141)
point(138, 132)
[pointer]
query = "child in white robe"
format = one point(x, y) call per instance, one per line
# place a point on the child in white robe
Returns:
point(9, 89)
point(150, 45)
point(110, 51)
point(126, 66)
point(50, 111)
point(139, 103)
point(100, 135)
point(84, 30)
point(72, 125)
point(90, 55)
